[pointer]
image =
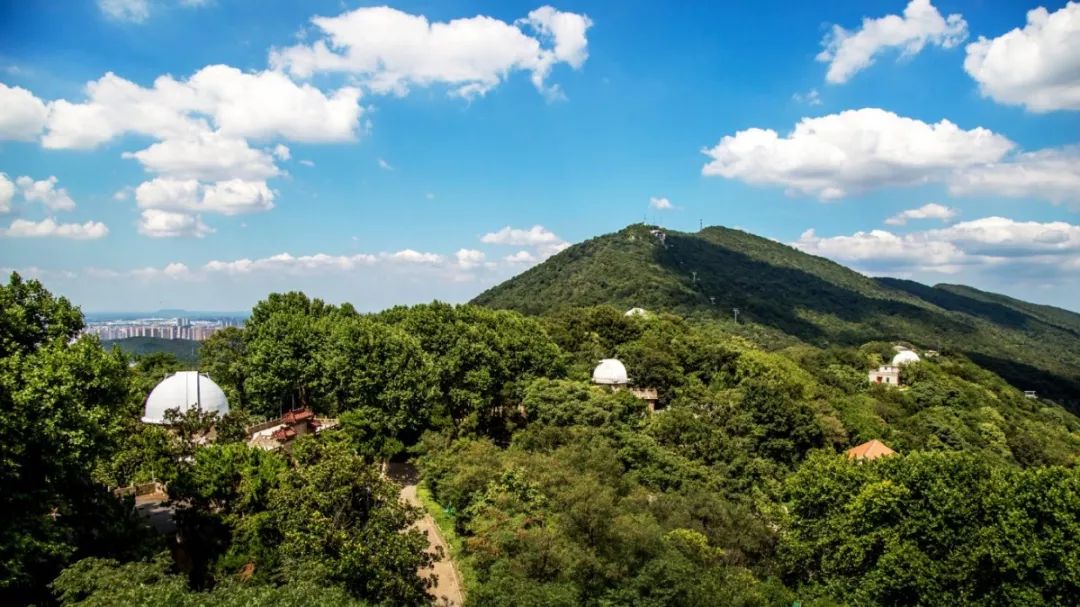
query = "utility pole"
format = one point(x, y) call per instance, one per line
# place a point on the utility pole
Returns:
point(694, 274)
point(736, 311)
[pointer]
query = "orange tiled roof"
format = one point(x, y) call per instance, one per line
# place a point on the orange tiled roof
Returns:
point(297, 415)
point(283, 434)
point(869, 450)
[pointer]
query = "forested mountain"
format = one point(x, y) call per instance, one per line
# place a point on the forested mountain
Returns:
point(779, 289)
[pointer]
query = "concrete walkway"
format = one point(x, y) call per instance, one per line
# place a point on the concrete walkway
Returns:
point(447, 589)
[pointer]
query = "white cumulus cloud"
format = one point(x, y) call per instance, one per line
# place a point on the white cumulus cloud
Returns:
point(468, 259)
point(1002, 237)
point(284, 262)
point(931, 210)
point(116, 106)
point(7, 193)
point(849, 52)
point(230, 197)
point(236, 196)
point(203, 127)
point(660, 204)
point(1051, 174)
point(169, 194)
point(389, 50)
point(521, 257)
point(22, 116)
point(266, 104)
point(156, 223)
point(258, 105)
point(45, 192)
point(544, 243)
point(880, 250)
point(852, 152)
point(411, 256)
point(206, 156)
point(46, 228)
point(989, 243)
point(1037, 66)
point(534, 236)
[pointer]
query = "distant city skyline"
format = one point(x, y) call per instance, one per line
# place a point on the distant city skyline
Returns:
point(365, 154)
point(166, 313)
point(163, 328)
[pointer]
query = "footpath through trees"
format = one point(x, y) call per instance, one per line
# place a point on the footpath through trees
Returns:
point(447, 589)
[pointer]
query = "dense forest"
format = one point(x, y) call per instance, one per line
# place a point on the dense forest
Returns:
point(786, 296)
point(185, 350)
point(551, 490)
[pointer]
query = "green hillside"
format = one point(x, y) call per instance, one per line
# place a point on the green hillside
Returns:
point(185, 350)
point(778, 288)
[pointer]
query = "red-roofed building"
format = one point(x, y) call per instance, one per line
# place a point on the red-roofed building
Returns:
point(278, 433)
point(869, 450)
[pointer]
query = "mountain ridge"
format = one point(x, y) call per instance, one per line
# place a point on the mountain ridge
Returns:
point(707, 274)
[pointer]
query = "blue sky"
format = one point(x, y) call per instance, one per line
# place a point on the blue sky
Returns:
point(432, 149)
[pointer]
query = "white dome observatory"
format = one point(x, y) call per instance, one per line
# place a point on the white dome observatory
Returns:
point(905, 357)
point(184, 391)
point(610, 372)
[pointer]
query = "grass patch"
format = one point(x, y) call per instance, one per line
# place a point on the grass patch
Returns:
point(445, 521)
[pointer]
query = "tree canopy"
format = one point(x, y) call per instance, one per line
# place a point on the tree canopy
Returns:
point(552, 490)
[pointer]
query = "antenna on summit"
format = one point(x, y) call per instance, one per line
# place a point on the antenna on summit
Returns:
point(736, 311)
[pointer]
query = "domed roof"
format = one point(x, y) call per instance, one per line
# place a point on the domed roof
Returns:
point(905, 357)
point(610, 372)
point(636, 312)
point(184, 391)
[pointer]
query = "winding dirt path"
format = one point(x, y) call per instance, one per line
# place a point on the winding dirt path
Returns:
point(447, 589)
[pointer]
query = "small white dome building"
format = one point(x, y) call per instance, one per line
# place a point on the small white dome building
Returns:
point(636, 312)
point(184, 391)
point(610, 372)
point(905, 357)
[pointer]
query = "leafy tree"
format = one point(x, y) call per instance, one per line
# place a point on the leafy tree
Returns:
point(786, 428)
point(933, 529)
point(222, 498)
point(340, 522)
point(96, 582)
point(150, 369)
point(281, 341)
point(566, 403)
point(480, 356)
point(369, 364)
point(371, 432)
point(146, 452)
point(30, 317)
point(223, 356)
point(64, 410)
